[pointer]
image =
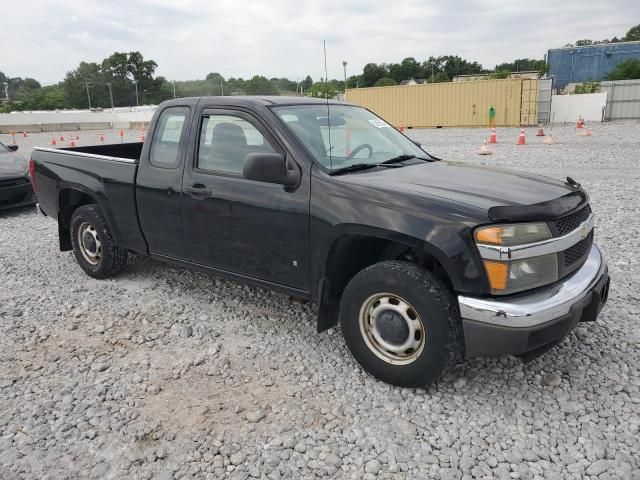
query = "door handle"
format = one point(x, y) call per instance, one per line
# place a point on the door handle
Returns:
point(198, 190)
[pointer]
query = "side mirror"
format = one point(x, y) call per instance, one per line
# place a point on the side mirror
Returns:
point(13, 148)
point(269, 168)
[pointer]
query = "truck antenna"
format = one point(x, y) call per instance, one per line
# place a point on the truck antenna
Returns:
point(326, 96)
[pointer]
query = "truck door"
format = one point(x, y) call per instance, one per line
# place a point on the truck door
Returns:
point(159, 183)
point(254, 229)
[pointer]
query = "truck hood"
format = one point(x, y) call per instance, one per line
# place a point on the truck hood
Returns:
point(503, 194)
point(12, 165)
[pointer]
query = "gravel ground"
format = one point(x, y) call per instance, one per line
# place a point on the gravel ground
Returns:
point(166, 373)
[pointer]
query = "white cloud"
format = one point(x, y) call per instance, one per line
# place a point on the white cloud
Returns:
point(191, 38)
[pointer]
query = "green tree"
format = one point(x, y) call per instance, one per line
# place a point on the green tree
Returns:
point(522, 65)
point(385, 82)
point(627, 70)
point(76, 83)
point(260, 85)
point(633, 35)
point(455, 65)
point(323, 90)
point(214, 77)
point(307, 83)
point(354, 81)
point(501, 73)
point(372, 73)
point(587, 87)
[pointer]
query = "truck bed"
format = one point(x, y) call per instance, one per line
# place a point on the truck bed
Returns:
point(128, 151)
point(105, 172)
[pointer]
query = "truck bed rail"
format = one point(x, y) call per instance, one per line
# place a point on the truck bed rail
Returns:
point(131, 149)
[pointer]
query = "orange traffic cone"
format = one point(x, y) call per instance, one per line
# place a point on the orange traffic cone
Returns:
point(580, 123)
point(540, 131)
point(401, 126)
point(484, 149)
point(142, 136)
point(25, 134)
point(101, 137)
point(121, 135)
point(62, 138)
point(72, 143)
point(521, 139)
point(493, 138)
point(53, 141)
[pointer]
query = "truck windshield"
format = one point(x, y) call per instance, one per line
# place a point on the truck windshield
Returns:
point(348, 136)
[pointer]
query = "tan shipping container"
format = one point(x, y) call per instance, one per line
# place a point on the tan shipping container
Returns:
point(464, 104)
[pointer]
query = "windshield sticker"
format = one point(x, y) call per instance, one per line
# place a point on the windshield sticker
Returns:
point(376, 122)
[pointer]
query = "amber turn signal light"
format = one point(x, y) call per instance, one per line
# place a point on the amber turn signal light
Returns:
point(489, 235)
point(498, 273)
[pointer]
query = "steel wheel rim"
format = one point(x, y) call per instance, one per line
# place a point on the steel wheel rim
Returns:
point(89, 243)
point(395, 353)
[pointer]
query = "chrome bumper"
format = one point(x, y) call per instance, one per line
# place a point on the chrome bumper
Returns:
point(547, 304)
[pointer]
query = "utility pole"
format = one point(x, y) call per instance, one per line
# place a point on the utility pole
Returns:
point(135, 82)
point(221, 88)
point(344, 66)
point(110, 94)
point(86, 83)
point(174, 88)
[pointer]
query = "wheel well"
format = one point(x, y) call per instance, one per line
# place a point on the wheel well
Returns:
point(69, 201)
point(353, 253)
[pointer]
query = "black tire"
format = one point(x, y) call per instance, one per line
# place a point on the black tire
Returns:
point(434, 304)
point(109, 259)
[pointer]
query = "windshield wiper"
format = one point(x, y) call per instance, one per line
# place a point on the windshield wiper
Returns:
point(362, 166)
point(356, 167)
point(402, 158)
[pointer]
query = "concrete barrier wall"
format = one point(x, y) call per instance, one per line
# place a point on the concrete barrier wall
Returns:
point(33, 128)
point(74, 120)
point(94, 126)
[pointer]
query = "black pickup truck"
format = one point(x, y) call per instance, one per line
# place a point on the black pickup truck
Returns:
point(422, 261)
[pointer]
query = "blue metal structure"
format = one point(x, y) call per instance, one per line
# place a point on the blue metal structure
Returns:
point(589, 63)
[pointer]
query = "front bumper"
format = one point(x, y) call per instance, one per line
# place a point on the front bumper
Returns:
point(533, 322)
point(19, 195)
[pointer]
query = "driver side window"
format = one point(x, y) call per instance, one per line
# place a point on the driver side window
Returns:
point(226, 140)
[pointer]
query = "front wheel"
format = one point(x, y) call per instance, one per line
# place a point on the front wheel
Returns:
point(401, 324)
point(93, 245)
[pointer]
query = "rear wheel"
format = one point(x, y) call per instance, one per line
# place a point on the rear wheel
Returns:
point(93, 245)
point(401, 324)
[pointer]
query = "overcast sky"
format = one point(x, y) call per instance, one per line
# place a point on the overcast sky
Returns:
point(189, 38)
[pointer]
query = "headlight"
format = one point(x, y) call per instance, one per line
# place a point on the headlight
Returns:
point(514, 234)
point(518, 275)
point(510, 276)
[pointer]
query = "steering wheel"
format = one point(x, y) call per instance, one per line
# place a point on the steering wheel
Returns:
point(359, 148)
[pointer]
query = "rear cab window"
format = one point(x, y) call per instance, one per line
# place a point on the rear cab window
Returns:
point(168, 136)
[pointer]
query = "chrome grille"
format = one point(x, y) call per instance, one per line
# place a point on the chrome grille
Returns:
point(569, 223)
point(577, 252)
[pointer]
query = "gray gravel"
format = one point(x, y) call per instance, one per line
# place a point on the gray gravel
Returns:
point(165, 373)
